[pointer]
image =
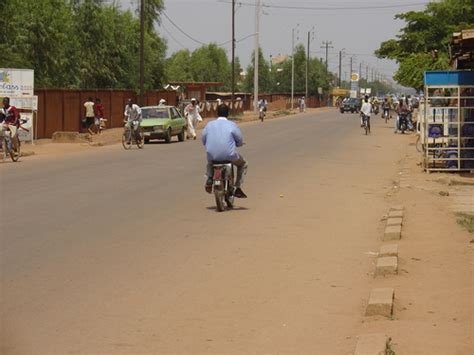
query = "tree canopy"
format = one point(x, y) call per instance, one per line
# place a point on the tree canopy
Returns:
point(79, 44)
point(423, 42)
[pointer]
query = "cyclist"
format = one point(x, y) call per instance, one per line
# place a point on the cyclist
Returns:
point(365, 110)
point(12, 118)
point(385, 107)
point(133, 115)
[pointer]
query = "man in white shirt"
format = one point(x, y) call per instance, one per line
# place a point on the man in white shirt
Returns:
point(191, 112)
point(365, 110)
point(133, 116)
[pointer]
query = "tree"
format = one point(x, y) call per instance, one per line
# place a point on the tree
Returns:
point(264, 81)
point(209, 63)
point(423, 42)
point(178, 66)
point(78, 44)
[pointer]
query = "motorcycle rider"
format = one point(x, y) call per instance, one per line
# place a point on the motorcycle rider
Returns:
point(133, 113)
point(365, 110)
point(221, 138)
point(401, 110)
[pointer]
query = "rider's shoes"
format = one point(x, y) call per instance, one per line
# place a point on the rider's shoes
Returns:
point(362, 125)
point(208, 186)
point(239, 193)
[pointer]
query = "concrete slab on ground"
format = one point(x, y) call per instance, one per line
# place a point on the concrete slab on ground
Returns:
point(388, 250)
point(394, 221)
point(386, 265)
point(380, 302)
point(393, 213)
point(392, 233)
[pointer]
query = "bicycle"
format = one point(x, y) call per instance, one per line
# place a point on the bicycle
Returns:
point(366, 123)
point(128, 139)
point(10, 145)
point(386, 115)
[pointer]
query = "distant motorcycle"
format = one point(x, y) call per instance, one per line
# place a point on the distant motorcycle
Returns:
point(261, 113)
point(223, 184)
point(403, 122)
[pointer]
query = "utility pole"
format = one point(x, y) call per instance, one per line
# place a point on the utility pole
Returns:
point(360, 70)
point(367, 73)
point(256, 55)
point(350, 73)
point(142, 50)
point(340, 65)
point(293, 65)
point(327, 46)
point(307, 64)
point(233, 55)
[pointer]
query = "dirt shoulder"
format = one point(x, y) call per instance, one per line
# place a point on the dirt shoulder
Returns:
point(46, 148)
point(433, 309)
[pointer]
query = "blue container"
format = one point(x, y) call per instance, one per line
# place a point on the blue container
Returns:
point(453, 77)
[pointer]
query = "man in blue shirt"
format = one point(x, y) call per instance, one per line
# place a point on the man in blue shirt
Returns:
point(221, 138)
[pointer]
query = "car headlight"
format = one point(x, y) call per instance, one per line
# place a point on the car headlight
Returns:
point(159, 127)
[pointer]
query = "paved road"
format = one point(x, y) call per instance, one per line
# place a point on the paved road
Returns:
point(122, 251)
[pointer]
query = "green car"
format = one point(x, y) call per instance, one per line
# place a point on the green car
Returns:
point(163, 122)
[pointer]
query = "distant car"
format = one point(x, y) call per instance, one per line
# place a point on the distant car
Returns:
point(352, 105)
point(163, 122)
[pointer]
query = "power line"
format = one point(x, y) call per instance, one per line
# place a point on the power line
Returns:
point(180, 30)
point(241, 3)
point(172, 37)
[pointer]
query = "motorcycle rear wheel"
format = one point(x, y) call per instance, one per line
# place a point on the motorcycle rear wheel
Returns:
point(220, 201)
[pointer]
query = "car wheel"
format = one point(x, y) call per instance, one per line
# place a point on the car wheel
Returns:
point(147, 140)
point(168, 136)
point(182, 135)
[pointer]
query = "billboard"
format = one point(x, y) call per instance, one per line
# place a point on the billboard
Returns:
point(16, 82)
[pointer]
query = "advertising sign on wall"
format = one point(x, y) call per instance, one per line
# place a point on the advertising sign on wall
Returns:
point(16, 82)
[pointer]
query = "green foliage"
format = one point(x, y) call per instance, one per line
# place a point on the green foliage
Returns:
point(78, 44)
point(318, 76)
point(263, 74)
point(423, 42)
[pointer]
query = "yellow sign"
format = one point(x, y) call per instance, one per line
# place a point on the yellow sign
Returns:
point(355, 77)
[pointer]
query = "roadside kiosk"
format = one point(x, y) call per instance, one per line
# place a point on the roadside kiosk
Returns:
point(447, 127)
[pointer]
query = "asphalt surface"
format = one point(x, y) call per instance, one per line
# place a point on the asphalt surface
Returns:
point(122, 251)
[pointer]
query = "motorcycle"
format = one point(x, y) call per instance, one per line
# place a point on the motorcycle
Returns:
point(261, 113)
point(223, 184)
point(403, 122)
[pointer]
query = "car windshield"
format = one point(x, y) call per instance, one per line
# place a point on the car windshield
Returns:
point(353, 101)
point(155, 113)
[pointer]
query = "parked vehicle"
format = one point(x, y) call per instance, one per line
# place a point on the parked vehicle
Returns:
point(223, 184)
point(352, 105)
point(163, 122)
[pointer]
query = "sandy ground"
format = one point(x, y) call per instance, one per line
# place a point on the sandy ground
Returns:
point(288, 271)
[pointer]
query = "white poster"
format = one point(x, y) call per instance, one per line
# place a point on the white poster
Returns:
point(16, 82)
point(25, 102)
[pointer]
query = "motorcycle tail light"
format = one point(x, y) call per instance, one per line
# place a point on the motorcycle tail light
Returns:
point(217, 173)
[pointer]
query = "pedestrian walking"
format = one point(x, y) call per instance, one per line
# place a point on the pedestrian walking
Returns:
point(89, 116)
point(192, 114)
point(98, 114)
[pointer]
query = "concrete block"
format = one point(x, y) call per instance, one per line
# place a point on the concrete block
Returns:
point(386, 265)
point(398, 214)
point(388, 250)
point(392, 233)
point(380, 302)
point(371, 344)
point(397, 208)
point(394, 221)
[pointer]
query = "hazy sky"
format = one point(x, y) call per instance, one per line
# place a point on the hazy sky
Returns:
point(357, 26)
